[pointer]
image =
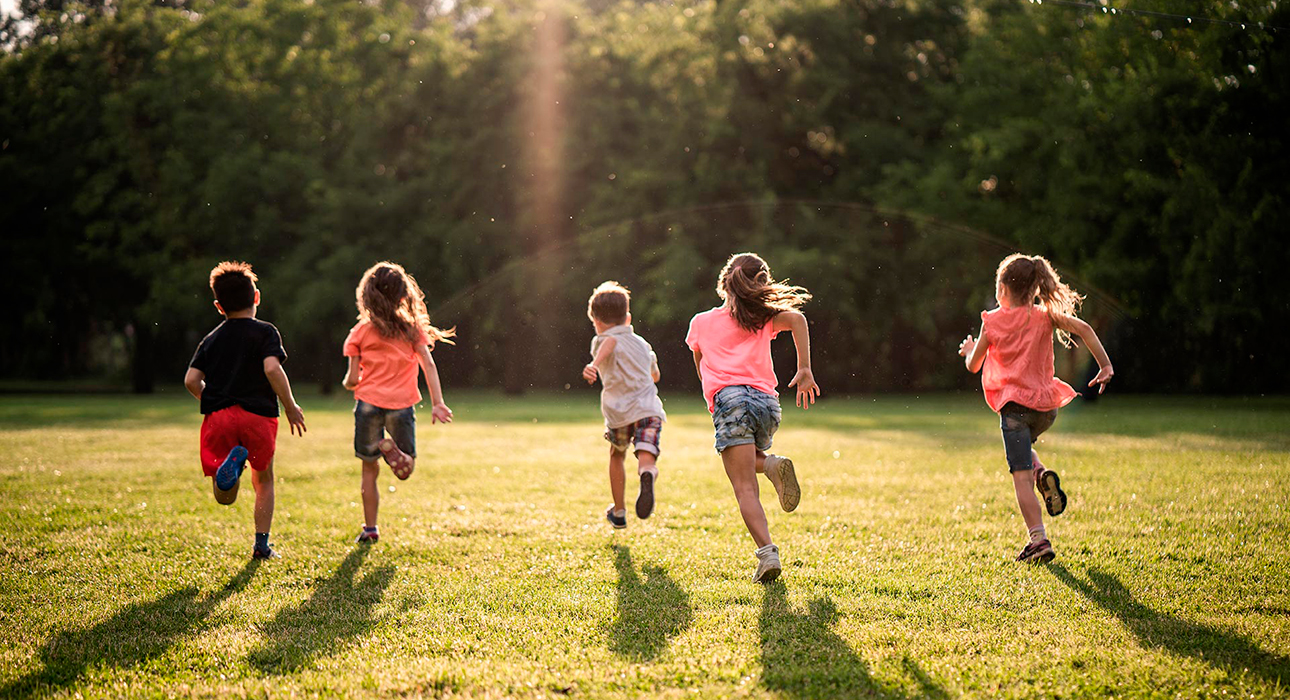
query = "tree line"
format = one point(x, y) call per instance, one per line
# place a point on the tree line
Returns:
point(512, 154)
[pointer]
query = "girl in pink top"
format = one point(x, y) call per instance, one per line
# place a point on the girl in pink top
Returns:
point(731, 345)
point(392, 338)
point(1015, 352)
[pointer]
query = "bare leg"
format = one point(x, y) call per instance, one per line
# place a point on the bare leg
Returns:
point(761, 462)
point(617, 478)
point(264, 497)
point(225, 498)
point(1038, 466)
point(371, 496)
point(1024, 484)
point(646, 462)
point(741, 468)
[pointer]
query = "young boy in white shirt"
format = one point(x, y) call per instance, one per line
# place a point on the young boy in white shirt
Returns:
point(628, 370)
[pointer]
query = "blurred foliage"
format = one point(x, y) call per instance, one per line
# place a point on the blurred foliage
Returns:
point(883, 153)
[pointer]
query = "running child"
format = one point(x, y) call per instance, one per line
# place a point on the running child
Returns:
point(731, 345)
point(237, 376)
point(1015, 349)
point(392, 339)
point(628, 371)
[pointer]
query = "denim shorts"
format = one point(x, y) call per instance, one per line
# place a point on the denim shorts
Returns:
point(643, 434)
point(743, 415)
point(372, 422)
point(1021, 427)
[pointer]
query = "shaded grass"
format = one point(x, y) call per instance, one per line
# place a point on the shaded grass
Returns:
point(496, 577)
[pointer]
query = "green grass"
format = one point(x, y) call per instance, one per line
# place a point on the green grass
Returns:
point(497, 577)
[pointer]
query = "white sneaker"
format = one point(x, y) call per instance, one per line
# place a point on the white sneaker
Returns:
point(780, 472)
point(767, 564)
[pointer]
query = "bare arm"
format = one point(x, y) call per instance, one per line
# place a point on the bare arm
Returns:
point(439, 410)
point(195, 382)
point(698, 357)
point(1078, 327)
point(592, 370)
point(352, 374)
point(973, 350)
point(804, 380)
point(282, 387)
point(654, 372)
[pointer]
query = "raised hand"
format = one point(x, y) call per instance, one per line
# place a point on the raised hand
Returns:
point(807, 389)
point(440, 413)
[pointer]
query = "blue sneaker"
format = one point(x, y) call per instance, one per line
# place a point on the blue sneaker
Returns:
point(231, 470)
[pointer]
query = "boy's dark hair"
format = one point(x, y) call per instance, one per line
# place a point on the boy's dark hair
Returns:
point(609, 303)
point(234, 285)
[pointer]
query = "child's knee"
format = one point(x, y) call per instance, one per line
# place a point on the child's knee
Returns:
point(371, 468)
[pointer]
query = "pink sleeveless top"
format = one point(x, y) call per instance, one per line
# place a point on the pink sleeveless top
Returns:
point(1019, 362)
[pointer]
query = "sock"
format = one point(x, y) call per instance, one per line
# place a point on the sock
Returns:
point(369, 529)
point(1037, 534)
point(261, 540)
point(620, 513)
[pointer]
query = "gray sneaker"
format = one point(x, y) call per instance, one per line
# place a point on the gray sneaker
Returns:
point(784, 478)
point(767, 564)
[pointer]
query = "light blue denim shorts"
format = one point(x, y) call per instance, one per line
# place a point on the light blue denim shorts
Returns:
point(743, 415)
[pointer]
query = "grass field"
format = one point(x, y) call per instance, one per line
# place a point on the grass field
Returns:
point(496, 575)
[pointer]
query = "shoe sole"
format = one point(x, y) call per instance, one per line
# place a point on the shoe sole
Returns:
point(1050, 485)
point(227, 471)
point(386, 446)
point(790, 493)
point(768, 575)
point(645, 502)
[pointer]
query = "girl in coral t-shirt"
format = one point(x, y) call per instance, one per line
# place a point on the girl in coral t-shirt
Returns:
point(1015, 351)
point(731, 346)
point(393, 337)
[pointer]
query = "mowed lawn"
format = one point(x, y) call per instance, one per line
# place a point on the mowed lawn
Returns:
point(496, 575)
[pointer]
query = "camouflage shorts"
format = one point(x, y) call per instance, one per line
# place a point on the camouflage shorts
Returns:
point(743, 415)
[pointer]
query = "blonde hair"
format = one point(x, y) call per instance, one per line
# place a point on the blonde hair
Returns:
point(609, 303)
point(754, 297)
point(390, 299)
point(1031, 279)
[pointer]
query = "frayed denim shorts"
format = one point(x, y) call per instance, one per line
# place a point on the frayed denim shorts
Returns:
point(743, 415)
point(372, 422)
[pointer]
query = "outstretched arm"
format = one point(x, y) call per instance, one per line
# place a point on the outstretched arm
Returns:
point(804, 380)
point(439, 410)
point(592, 370)
point(1078, 327)
point(282, 387)
point(973, 349)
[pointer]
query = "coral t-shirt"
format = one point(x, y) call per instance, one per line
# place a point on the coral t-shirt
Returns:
point(1019, 362)
point(731, 354)
point(388, 367)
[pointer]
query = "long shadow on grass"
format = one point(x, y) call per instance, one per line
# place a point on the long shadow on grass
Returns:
point(135, 634)
point(1228, 651)
point(803, 657)
point(339, 610)
point(650, 612)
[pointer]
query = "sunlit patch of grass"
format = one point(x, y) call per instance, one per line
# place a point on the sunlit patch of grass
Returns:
point(497, 577)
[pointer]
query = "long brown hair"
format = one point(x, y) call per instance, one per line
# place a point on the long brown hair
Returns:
point(1031, 279)
point(390, 299)
point(754, 297)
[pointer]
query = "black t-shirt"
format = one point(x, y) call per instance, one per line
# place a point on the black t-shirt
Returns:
point(232, 357)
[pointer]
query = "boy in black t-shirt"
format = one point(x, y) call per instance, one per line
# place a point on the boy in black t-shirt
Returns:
point(237, 375)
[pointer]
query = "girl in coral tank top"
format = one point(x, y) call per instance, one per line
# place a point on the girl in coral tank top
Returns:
point(1015, 356)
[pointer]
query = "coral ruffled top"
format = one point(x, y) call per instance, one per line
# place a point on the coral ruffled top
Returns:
point(1019, 362)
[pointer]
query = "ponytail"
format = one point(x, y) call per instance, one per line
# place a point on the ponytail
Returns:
point(754, 297)
point(1032, 279)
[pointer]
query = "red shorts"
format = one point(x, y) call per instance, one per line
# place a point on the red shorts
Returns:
point(229, 427)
